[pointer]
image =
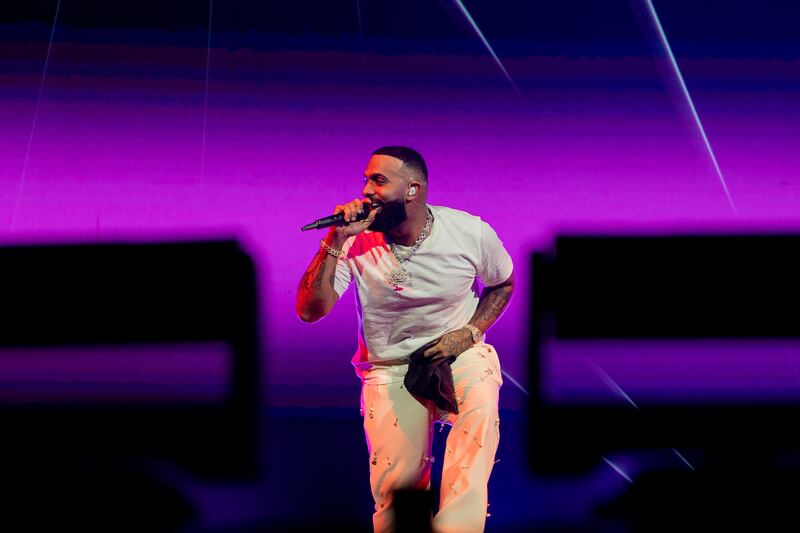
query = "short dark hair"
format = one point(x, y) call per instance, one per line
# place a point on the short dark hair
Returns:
point(410, 158)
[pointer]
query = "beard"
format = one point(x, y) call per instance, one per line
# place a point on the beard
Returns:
point(392, 215)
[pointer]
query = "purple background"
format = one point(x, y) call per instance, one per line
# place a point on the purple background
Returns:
point(194, 373)
point(117, 154)
point(122, 142)
point(682, 371)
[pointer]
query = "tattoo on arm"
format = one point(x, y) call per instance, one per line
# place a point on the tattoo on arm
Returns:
point(491, 305)
point(456, 342)
point(332, 278)
point(315, 293)
point(311, 274)
point(312, 279)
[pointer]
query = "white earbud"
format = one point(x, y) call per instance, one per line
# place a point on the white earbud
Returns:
point(412, 191)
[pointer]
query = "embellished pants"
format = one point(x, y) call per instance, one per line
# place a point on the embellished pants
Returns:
point(399, 431)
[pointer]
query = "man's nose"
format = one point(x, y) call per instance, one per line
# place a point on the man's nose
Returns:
point(367, 190)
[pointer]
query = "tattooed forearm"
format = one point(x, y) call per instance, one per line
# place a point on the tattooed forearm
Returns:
point(451, 343)
point(491, 305)
point(332, 278)
point(456, 341)
point(315, 294)
point(492, 302)
point(312, 279)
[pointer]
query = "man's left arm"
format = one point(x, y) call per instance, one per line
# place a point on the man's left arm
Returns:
point(492, 303)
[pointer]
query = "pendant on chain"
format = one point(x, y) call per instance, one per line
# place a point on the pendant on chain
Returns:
point(398, 275)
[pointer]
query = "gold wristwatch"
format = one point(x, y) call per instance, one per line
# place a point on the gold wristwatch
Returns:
point(477, 336)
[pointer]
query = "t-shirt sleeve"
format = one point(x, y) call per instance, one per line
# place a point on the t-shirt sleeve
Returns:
point(343, 276)
point(496, 265)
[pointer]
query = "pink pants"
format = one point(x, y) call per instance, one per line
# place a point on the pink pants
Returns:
point(399, 432)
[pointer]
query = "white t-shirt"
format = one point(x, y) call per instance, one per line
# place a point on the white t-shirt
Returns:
point(441, 296)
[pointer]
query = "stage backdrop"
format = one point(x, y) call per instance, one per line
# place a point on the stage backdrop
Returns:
point(142, 125)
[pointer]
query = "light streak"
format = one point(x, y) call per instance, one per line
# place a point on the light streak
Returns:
point(618, 470)
point(609, 381)
point(682, 458)
point(488, 46)
point(515, 382)
point(663, 36)
point(205, 94)
point(24, 173)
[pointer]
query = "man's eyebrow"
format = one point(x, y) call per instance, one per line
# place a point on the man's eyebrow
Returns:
point(376, 175)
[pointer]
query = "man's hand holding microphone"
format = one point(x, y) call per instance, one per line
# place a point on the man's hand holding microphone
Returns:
point(354, 221)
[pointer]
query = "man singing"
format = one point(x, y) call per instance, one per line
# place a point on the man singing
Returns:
point(416, 268)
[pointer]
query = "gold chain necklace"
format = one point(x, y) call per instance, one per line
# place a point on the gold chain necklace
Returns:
point(398, 274)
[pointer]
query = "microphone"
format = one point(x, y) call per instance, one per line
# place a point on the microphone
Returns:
point(336, 220)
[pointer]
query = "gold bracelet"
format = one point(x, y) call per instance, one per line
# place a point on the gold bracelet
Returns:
point(330, 251)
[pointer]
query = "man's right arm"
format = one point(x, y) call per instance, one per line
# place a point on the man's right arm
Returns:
point(315, 294)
